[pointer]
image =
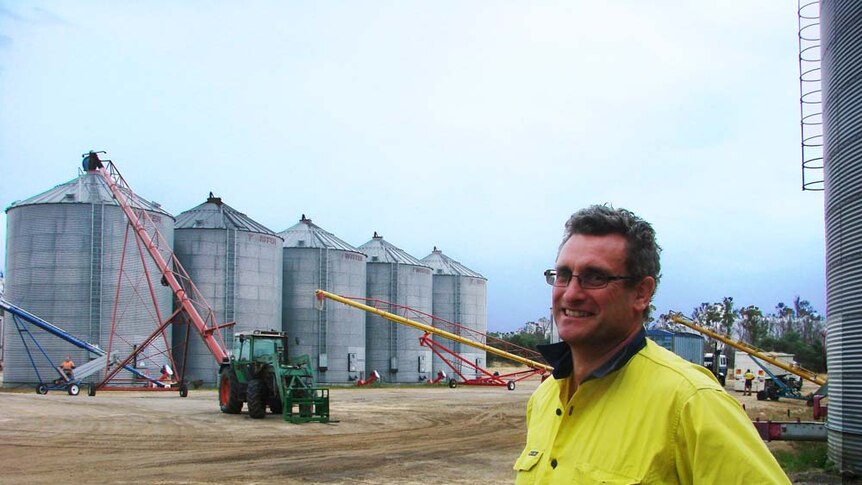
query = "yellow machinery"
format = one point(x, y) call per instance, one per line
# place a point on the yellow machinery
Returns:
point(753, 351)
point(750, 350)
point(537, 368)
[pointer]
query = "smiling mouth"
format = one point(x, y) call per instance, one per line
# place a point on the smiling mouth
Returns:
point(575, 313)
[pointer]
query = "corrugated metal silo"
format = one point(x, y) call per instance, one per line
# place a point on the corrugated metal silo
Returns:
point(236, 263)
point(841, 54)
point(63, 257)
point(2, 322)
point(334, 336)
point(460, 296)
point(393, 349)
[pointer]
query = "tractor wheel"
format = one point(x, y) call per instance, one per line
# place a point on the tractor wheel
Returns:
point(73, 389)
point(184, 389)
point(256, 399)
point(42, 389)
point(228, 392)
point(275, 406)
point(91, 390)
point(453, 383)
point(510, 385)
point(761, 395)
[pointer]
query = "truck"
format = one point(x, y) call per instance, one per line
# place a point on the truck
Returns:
point(260, 374)
point(764, 385)
point(719, 369)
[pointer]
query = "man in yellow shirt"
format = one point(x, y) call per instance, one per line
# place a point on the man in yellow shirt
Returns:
point(749, 380)
point(619, 408)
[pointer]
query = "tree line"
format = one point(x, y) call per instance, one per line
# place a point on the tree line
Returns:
point(796, 329)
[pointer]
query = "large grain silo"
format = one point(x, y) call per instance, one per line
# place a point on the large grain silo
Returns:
point(64, 254)
point(841, 53)
point(393, 349)
point(460, 296)
point(333, 335)
point(236, 264)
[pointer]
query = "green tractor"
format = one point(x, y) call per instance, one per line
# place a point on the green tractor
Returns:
point(261, 374)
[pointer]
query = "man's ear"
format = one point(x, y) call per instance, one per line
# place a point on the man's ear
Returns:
point(644, 290)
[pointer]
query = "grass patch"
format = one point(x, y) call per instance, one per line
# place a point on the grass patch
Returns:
point(805, 455)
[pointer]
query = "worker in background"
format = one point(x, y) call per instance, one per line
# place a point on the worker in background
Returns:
point(167, 374)
point(749, 379)
point(618, 407)
point(67, 367)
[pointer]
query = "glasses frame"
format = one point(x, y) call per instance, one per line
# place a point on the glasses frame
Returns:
point(551, 279)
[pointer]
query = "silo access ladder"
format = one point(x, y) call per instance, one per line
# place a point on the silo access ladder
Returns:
point(192, 303)
point(450, 358)
point(191, 306)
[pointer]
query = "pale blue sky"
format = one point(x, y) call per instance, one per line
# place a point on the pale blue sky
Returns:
point(477, 127)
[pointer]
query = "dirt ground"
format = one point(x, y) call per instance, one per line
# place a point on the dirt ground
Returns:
point(415, 435)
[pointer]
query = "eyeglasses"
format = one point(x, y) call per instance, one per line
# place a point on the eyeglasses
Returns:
point(590, 280)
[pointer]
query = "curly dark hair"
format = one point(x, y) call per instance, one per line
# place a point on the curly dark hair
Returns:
point(642, 250)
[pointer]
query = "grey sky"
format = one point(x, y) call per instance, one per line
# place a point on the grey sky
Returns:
point(476, 127)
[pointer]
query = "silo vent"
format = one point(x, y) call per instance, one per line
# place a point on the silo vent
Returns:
point(213, 199)
point(69, 196)
point(376, 236)
point(300, 243)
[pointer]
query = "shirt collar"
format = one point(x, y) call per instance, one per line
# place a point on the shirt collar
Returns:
point(559, 355)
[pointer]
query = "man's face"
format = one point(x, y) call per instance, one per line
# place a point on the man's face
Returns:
point(601, 318)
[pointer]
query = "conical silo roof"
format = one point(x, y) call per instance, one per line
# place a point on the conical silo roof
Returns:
point(87, 188)
point(442, 264)
point(215, 214)
point(306, 234)
point(379, 250)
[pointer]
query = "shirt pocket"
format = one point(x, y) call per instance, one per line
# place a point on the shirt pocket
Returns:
point(525, 465)
point(587, 475)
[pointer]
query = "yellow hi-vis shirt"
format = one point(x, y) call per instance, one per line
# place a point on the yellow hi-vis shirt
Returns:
point(650, 418)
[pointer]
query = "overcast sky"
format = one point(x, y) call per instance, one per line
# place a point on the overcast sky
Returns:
point(474, 126)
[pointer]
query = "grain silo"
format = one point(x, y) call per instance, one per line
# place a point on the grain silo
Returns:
point(392, 349)
point(841, 54)
point(236, 264)
point(333, 336)
point(460, 296)
point(64, 254)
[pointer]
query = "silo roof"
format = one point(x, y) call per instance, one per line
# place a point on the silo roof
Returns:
point(442, 264)
point(87, 188)
point(381, 251)
point(306, 234)
point(215, 214)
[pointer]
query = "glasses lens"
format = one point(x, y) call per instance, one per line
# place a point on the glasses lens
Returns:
point(551, 277)
point(593, 280)
point(563, 278)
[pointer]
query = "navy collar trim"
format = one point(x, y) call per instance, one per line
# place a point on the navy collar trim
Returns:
point(559, 355)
